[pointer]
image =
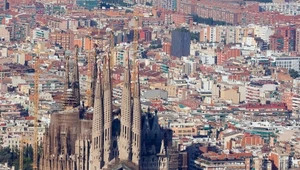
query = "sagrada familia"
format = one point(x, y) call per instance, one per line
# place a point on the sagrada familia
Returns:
point(115, 139)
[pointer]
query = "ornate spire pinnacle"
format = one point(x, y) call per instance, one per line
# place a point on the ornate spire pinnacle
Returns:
point(68, 99)
point(136, 124)
point(107, 102)
point(98, 123)
point(126, 119)
point(75, 84)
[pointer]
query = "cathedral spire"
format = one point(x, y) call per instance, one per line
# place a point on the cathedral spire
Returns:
point(107, 102)
point(67, 72)
point(136, 124)
point(69, 101)
point(98, 123)
point(126, 119)
point(75, 84)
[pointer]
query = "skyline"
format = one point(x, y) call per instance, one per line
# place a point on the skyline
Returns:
point(149, 85)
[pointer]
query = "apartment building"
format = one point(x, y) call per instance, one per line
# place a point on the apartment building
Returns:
point(287, 98)
point(213, 34)
point(280, 159)
point(4, 72)
point(255, 90)
point(63, 38)
point(41, 33)
point(189, 67)
point(235, 34)
point(284, 39)
point(183, 129)
point(219, 11)
point(287, 62)
point(4, 33)
point(62, 23)
point(186, 6)
point(230, 94)
point(297, 40)
point(263, 32)
point(83, 42)
point(227, 53)
point(291, 8)
point(171, 89)
point(296, 101)
point(214, 160)
point(167, 4)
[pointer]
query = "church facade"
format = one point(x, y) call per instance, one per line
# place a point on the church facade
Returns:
point(123, 138)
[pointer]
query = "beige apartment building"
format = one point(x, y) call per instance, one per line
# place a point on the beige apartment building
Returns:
point(230, 94)
point(171, 89)
point(184, 129)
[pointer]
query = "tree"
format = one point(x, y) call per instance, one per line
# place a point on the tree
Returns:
point(293, 73)
point(128, 11)
point(195, 36)
point(11, 156)
point(148, 3)
point(208, 21)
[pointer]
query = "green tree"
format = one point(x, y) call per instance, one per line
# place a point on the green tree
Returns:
point(128, 11)
point(148, 3)
point(208, 21)
point(293, 73)
point(11, 156)
point(195, 36)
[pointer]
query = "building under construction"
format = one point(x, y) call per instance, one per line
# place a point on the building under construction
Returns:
point(124, 138)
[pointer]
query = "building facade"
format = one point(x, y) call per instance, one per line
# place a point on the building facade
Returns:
point(63, 38)
point(284, 39)
point(124, 137)
point(181, 40)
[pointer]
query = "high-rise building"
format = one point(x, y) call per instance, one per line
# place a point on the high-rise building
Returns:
point(5, 5)
point(123, 138)
point(181, 41)
point(284, 39)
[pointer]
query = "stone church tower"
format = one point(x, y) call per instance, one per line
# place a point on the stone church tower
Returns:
point(114, 139)
point(126, 137)
point(66, 145)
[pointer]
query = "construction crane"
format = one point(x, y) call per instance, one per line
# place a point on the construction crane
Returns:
point(36, 109)
point(135, 48)
point(21, 145)
point(91, 77)
point(135, 37)
point(111, 47)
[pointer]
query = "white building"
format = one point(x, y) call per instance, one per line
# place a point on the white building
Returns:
point(41, 33)
point(264, 32)
point(296, 102)
point(287, 62)
point(283, 8)
point(255, 91)
point(208, 60)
